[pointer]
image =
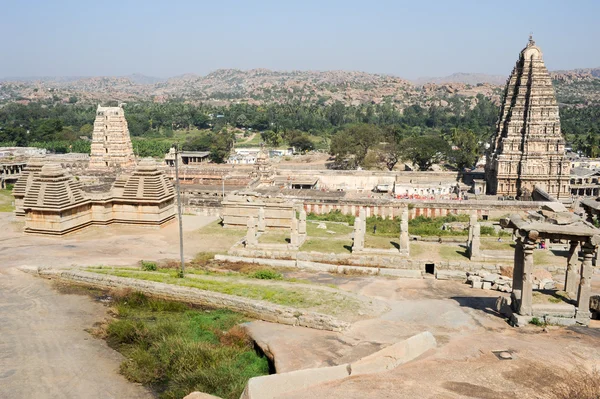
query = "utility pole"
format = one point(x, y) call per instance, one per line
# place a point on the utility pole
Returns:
point(179, 215)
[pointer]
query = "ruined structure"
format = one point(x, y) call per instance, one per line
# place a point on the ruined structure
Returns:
point(55, 203)
point(548, 225)
point(111, 144)
point(528, 149)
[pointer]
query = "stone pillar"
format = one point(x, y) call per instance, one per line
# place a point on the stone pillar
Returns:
point(295, 237)
point(518, 266)
point(474, 252)
point(585, 289)
point(404, 238)
point(302, 223)
point(472, 222)
point(526, 293)
point(359, 231)
point(262, 223)
point(572, 276)
point(251, 238)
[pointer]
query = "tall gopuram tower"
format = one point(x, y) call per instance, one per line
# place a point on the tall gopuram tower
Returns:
point(528, 149)
point(111, 144)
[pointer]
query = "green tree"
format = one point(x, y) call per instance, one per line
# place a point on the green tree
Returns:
point(468, 148)
point(351, 144)
point(271, 138)
point(424, 151)
point(302, 143)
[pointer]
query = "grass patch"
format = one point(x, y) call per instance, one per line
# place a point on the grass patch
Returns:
point(273, 238)
point(266, 274)
point(337, 228)
point(333, 216)
point(384, 242)
point(6, 201)
point(327, 246)
point(175, 349)
point(203, 258)
point(497, 246)
point(221, 238)
point(299, 297)
point(452, 252)
point(417, 249)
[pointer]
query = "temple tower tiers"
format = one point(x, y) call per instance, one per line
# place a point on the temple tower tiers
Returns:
point(528, 149)
point(111, 144)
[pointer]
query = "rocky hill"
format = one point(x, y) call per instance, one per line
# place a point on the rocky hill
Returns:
point(259, 86)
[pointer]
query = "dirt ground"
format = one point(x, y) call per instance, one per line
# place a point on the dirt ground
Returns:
point(467, 330)
point(45, 351)
point(109, 245)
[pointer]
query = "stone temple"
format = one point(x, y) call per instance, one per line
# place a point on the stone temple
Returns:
point(111, 144)
point(528, 149)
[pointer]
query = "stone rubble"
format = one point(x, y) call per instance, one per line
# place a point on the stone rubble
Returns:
point(492, 281)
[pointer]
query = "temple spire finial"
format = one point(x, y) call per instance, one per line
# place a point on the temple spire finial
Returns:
point(531, 41)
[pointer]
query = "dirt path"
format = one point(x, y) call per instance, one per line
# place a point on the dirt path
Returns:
point(44, 350)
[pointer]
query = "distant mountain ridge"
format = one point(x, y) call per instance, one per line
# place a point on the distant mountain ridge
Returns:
point(462, 77)
point(259, 86)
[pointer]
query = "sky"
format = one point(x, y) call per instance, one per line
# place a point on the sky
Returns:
point(410, 39)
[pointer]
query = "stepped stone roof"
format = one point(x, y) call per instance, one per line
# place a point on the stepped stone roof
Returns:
point(32, 169)
point(53, 189)
point(147, 183)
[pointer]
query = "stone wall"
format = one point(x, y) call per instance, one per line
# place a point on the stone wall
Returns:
point(253, 308)
point(373, 263)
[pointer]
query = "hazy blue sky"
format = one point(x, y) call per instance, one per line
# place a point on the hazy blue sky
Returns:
point(405, 38)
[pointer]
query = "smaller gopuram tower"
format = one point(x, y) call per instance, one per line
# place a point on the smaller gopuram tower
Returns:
point(528, 149)
point(111, 144)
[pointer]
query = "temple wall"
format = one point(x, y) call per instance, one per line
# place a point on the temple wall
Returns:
point(58, 223)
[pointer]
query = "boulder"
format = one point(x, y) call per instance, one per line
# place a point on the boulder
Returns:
point(476, 284)
point(487, 285)
point(322, 226)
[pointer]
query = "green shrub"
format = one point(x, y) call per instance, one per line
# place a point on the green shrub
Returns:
point(266, 274)
point(537, 322)
point(148, 266)
point(175, 349)
point(384, 226)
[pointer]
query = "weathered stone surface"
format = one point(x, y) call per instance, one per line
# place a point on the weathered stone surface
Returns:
point(277, 385)
point(391, 357)
point(55, 203)
point(111, 145)
point(528, 149)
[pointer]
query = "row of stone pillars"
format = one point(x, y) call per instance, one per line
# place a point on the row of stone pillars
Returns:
point(578, 279)
point(360, 229)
